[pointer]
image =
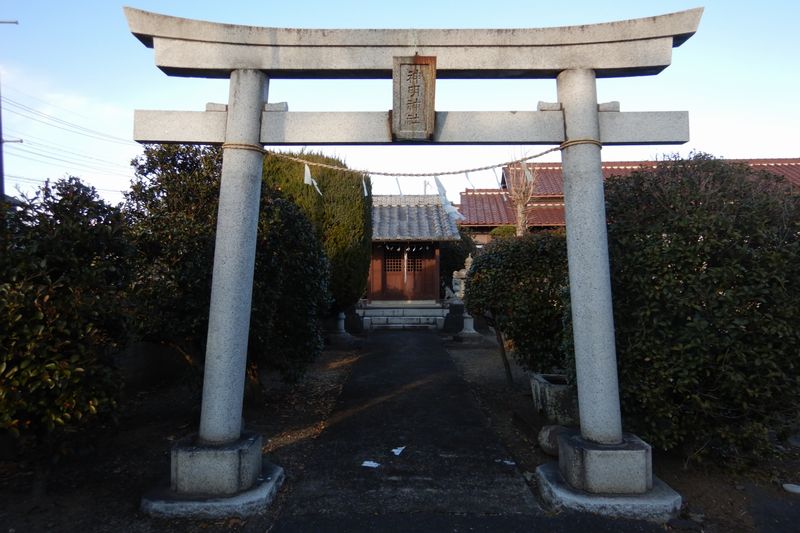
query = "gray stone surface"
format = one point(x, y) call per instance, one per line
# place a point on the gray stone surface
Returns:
point(657, 505)
point(469, 326)
point(452, 127)
point(548, 439)
point(234, 261)
point(625, 468)
point(198, 48)
point(164, 502)
point(587, 255)
point(414, 96)
point(219, 469)
point(554, 399)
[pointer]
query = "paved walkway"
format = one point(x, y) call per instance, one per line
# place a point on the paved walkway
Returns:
point(448, 471)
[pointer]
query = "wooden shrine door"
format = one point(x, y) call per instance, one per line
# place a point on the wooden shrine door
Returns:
point(408, 274)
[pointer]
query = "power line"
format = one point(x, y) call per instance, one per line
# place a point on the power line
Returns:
point(62, 121)
point(53, 121)
point(43, 180)
point(70, 130)
point(38, 159)
point(47, 103)
point(66, 159)
point(59, 149)
point(17, 133)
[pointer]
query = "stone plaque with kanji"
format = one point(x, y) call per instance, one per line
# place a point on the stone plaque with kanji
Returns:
point(414, 82)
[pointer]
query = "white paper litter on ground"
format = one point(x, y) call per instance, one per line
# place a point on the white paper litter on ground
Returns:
point(506, 462)
point(398, 450)
point(791, 487)
point(370, 464)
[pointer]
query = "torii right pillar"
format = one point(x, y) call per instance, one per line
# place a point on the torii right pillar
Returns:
point(605, 470)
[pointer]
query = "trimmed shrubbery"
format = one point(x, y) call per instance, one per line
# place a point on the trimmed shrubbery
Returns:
point(518, 282)
point(172, 210)
point(342, 217)
point(503, 232)
point(705, 265)
point(705, 268)
point(63, 271)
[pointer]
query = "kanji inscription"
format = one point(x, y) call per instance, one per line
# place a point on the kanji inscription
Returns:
point(413, 114)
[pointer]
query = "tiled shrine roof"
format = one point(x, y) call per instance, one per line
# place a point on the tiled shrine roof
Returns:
point(411, 217)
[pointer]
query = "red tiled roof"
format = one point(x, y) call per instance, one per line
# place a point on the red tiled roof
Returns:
point(492, 207)
point(788, 168)
point(549, 181)
point(545, 215)
point(486, 207)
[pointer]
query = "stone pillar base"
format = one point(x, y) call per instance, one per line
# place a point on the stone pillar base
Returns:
point(469, 328)
point(659, 504)
point(624, 468)
point(215, 469)
point(164, 502)
point(216, 480)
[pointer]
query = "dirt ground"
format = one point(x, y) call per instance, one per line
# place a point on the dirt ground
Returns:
point(100, 488)
point(714, 500)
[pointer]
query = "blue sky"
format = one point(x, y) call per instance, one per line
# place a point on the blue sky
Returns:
point(77, 62)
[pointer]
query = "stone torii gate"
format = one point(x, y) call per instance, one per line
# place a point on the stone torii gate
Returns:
point(219, 471)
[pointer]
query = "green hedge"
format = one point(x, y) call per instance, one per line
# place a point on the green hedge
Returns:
point(518, 282)
point(290, 290)
point(341, 215)
point(705, 272)
point(705, 259)
point(503, 232)
point(172, 210)
point(63, 272)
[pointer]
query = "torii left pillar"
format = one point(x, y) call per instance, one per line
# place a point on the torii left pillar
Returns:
point(220, 471)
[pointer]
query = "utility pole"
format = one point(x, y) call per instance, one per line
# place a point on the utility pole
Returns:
point(2, 140)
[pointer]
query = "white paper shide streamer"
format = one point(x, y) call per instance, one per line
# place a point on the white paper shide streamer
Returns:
point(308, 180)
point(448, 206)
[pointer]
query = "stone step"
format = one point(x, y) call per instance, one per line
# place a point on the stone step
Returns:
point(402, 312)
point(381, 320)
point(403, 322)
point(406, 326)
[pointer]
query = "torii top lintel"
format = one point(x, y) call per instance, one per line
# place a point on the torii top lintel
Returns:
point(195, 48)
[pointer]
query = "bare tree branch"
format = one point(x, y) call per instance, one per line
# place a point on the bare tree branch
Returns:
point(521, 185)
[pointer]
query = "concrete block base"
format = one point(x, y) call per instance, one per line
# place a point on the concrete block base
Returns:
point(624, 468)
point(659, 504)
point(469, 327)
point(164, 502)
point(554, 399)
point(225, 469)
